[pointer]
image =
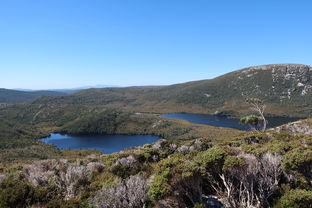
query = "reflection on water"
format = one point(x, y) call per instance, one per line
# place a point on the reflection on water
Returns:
point(104, 143)
point(223, 121)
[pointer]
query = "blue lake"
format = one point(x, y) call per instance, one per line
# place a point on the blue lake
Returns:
point(223, 121)
point(104, 143)
point(116, 143)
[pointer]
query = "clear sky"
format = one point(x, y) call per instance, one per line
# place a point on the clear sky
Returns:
point(47, 44)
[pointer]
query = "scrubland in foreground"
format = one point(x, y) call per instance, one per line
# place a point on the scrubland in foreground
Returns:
point(190, 166)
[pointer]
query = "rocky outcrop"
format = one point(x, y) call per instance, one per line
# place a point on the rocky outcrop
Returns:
point(129, 161)
point(160, 144)
point(213, 202)
point(296, 128)
point(196, 145)
point(281, 82)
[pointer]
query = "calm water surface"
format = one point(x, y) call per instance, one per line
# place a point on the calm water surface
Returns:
point(115, 143)
point(104, 143)
point(223, 121)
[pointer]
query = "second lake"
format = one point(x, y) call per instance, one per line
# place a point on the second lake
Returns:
point(223, 121)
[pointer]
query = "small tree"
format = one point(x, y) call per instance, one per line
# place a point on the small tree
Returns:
point(258, 106)
point(251, 120)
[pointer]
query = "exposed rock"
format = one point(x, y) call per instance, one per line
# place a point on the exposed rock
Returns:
point(173, 147)
point(184, 149)
point(197, 144)
point(283, 81)
point(295, 128)
point(127, 161)
point(157, 123)
point(213, 202)
point(160, 144)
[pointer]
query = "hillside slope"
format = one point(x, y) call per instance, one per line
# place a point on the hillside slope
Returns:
point(16, 96)
point(284, 87)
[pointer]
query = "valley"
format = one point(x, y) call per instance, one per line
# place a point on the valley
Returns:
point(185, 163)
point(155, 104)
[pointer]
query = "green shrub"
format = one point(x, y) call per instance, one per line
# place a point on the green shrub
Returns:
point(123, 171)
point(233, 162)
point(177, 165)
point(147, 155)
point(15, 193)
point(297, 198)
point(284, 137)
point(105, 179)
point(212, 158)
point(199, 206)
point(159, 188)
point(299, 160)
point(66, 204)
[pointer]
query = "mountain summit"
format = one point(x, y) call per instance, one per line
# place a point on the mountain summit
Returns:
point(285, 83)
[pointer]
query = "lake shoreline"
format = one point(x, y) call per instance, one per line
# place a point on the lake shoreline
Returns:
point(106, 144)
point(226, 121)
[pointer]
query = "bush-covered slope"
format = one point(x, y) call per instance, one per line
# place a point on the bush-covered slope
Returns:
point(22, 124)
point(15, 96)
point(197, 165)
point(284, 87)
point(86, 119)
point(252, 170)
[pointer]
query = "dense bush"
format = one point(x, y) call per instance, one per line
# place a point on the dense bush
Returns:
point(61, 203)
point(130, 193)
point(233, 162)
point(15, 193)
point(159, 188)
point(126, 166)
point(299, 160)
point(243, 170)
point(213, 158)
point(296, 199)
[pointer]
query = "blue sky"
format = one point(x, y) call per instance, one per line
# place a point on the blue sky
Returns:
point(47, 44)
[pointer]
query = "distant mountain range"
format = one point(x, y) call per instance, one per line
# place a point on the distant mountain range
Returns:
point(68, 90)
point(15, 96)
point(21, 95)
